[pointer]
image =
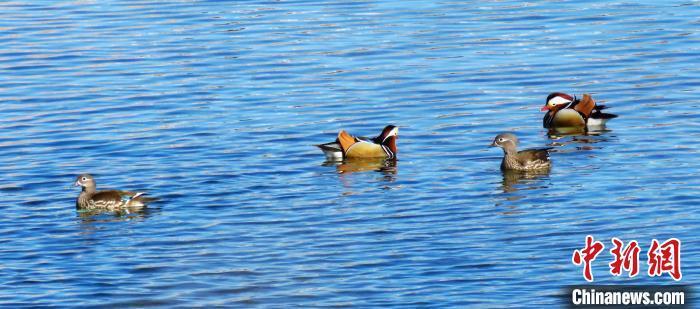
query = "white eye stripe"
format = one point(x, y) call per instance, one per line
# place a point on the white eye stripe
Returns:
point(393, 132)
point(558, 100)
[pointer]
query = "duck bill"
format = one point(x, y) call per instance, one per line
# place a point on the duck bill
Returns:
point(544, 108)
point(77, 184)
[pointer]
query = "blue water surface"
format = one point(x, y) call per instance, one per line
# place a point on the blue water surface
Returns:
point(214, 107)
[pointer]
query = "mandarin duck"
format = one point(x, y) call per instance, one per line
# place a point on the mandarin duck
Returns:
point(347, 146)
point(91, 199)
point(565, 111)
point(524, 160)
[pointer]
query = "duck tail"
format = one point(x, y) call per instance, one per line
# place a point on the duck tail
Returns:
point(597, 114)
point(139, 199)
point(145, 199)
point(135, 196)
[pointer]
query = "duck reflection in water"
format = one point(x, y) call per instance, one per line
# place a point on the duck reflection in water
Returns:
point(514, 181)
point(387, 167)
point(123, 214)
point(387, 170)
point(582, 140)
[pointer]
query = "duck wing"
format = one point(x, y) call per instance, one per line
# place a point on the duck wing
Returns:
point(532, 155)
point(108, 199)
point(354, 147)
point(585, 106)
point(332, 146)
point(116, 198)
point(346, 140)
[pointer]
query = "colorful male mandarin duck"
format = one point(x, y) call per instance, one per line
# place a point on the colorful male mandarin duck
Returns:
point(91, 199)
point(525, 160)
point(564, 110)
point(347, 146)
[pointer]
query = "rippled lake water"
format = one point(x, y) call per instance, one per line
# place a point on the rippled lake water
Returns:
point(214, 107)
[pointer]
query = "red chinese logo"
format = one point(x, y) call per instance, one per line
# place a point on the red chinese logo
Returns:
point(662, 258)
point(627, 259)
point(587, 255)
point(665, 258)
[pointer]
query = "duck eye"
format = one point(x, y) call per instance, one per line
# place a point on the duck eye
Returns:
point(84, 179)
point(500, 140)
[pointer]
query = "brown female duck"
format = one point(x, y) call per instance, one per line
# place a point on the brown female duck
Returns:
point(525, 160)
point(91, 199)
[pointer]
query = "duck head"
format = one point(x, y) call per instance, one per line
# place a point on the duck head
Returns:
point(388, 138)
point(556, 101)
point(86, 181)
point(507, 141)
